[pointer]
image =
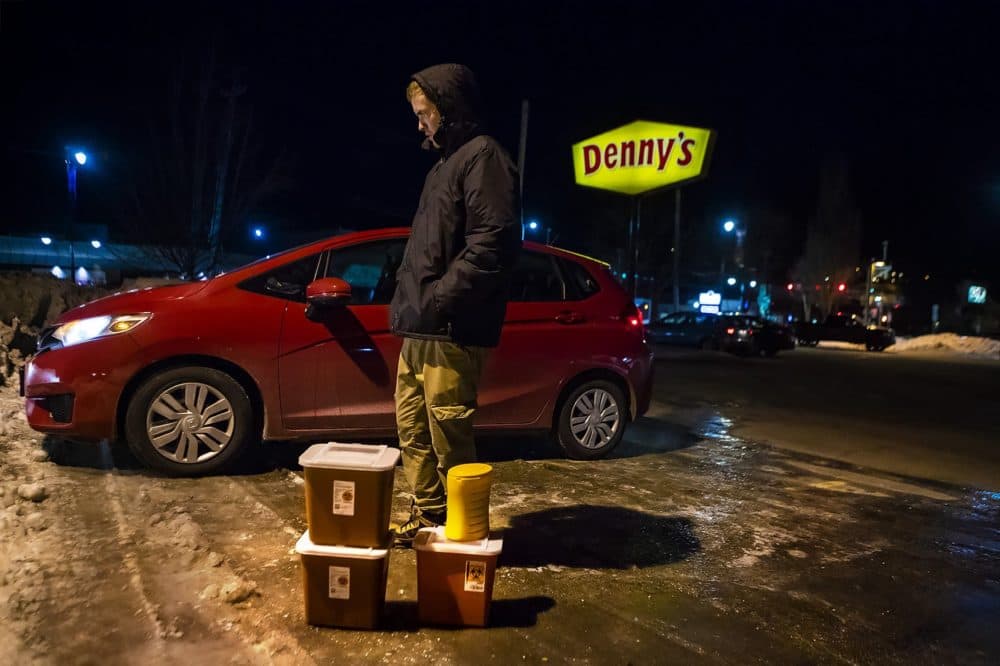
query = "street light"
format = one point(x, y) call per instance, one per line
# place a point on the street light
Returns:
point(731, 282)
point(533, 225)
point(740, 229)
point(46, 240)
point(96, 244)
point(77, 159)
point(258, 232)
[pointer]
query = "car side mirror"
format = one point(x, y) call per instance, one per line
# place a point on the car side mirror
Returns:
point(328, 292)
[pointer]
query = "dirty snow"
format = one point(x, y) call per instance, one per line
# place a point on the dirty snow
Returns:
point(964, 344)
point(937, 342)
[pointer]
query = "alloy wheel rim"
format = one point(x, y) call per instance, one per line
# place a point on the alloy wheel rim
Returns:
point(190, 422)
point(594, 419)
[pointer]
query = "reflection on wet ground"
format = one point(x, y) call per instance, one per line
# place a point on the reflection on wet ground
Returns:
point(689, 544)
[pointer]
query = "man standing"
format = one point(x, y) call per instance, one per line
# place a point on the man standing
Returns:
point(451, 290)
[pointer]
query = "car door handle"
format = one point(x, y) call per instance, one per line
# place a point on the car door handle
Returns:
point(570, 317)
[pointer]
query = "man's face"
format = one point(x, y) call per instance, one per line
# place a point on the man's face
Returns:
point(428, 118)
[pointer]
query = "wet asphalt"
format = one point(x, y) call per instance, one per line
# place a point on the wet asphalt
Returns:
point(699, 540)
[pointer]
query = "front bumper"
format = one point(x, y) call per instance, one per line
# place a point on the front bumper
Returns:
point(74, 391)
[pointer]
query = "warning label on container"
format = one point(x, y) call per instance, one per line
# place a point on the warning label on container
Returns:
point(475, 576)
point(340, 583)
point(343, 498)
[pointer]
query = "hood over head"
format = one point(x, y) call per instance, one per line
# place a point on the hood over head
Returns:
point(454, 91)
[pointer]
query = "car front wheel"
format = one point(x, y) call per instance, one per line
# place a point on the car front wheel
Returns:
point(592, 420)
point(189, 421)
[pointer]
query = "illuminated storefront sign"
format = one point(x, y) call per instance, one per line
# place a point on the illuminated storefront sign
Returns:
point(709, 302)
point(642, 156)
point(977, 294)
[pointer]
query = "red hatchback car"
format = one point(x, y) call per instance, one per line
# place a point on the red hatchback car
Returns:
point(297, 347)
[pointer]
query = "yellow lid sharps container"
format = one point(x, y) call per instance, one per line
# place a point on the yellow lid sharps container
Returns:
point(468, 502)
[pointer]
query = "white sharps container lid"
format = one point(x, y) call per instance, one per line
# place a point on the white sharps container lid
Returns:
point(333, 455)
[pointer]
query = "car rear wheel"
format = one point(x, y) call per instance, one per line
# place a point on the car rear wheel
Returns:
point(189, 421)
point(592, 420)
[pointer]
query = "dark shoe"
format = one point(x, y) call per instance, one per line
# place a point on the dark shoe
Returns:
point(403, 535)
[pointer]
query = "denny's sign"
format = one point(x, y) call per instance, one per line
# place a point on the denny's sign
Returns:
point(642, 156)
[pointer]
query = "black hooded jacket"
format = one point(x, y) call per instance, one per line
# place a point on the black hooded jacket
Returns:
point(454, 278)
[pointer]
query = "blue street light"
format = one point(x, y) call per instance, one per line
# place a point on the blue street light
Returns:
point(46, 240)
point(729, 226)
point(73, 161)
point(258, 232)
point(96, 244)
point(731, 282)
point(534, 225)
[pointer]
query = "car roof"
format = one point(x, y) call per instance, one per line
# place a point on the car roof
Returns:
point(352, 237)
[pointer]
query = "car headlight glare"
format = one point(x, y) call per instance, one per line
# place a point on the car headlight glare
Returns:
point(82, 330)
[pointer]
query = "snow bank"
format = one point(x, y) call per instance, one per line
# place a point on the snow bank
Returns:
point(27, 303)
point(35, 300)
point(949, 342)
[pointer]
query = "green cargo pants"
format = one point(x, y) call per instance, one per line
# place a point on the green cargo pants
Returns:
point(436, 386)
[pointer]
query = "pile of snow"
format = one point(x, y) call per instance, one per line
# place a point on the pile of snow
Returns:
point(949, 342)
point(27, 303)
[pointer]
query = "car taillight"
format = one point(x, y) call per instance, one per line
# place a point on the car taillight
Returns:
point(633, 317)
point(730, 331)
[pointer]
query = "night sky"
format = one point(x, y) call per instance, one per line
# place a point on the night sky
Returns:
point(905, 91)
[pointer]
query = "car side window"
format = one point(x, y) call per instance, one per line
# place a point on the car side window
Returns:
point(673, 319)
point(287, 281)
point(535, 278)
point(370, 269)
point(581, 284)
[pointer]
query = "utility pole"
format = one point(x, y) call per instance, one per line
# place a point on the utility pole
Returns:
point(634, 247)
point(869, 279)
point(677, 250)
point(522, 150)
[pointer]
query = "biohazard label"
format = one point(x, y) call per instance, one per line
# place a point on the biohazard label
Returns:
point(343, 498)
point(340, 583)
point(475, 576)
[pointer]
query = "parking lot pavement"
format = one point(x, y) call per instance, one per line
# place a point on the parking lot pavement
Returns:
point(690, 545)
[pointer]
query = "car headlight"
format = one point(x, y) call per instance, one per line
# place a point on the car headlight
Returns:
point(82, 330)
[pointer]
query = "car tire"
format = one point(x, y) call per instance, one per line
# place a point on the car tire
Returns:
point(592, 419)
point(190, 421)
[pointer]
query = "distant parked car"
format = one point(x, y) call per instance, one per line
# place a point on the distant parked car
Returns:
point(692, 329)
point(297, 347)
point(840, 328)
point(750, 335)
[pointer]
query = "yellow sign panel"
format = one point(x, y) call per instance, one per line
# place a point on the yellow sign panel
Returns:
point(642, 156)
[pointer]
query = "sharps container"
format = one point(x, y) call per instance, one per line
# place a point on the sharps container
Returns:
point(349, 493)
point(454, 578)
point(468, 502)
point(343, 587)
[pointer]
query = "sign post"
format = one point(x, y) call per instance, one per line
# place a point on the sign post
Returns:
point(640, 158)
